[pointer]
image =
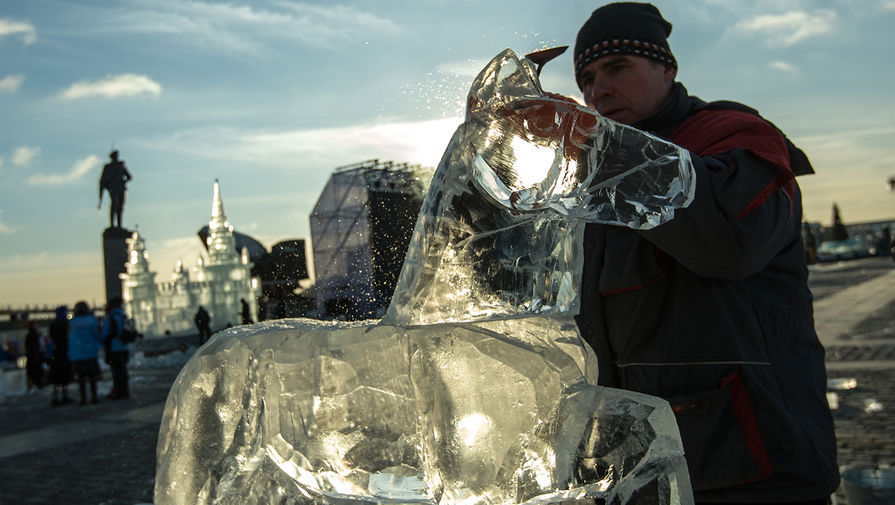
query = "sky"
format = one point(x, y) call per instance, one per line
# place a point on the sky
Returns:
point(270, 96)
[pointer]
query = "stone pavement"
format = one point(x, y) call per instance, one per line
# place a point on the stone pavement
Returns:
point(857, 327)
point(105, 454)
point(91, 455)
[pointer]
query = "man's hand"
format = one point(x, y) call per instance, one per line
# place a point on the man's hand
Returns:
point(556, 117)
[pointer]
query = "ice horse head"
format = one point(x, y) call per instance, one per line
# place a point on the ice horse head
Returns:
point(476, 387)
point(499, 234)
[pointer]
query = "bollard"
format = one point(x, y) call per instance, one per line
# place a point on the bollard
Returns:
point(869, 486)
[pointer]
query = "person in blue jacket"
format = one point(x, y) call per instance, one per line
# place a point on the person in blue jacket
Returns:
point(83, 349)
point(117, 352)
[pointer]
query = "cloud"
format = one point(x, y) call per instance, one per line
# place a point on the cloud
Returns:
point(11, 27)
point(11, 83)
point(1, 164)
point(334, 18)
point(78, 170)
point(784, 66)
point(70, 275)
point(17, 262)
point(889, 6)
point(23, 156)
point(852, 166)
point(421, 142)
point(113, 86)
point(244, 29)
point(5, 229)
point(788, 28)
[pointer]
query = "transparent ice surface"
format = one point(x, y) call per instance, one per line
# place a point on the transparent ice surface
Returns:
point(301, 411)
point(476, 388)
point(531, 150)
point(500, 232)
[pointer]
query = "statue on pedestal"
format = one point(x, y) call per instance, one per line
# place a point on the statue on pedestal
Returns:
point(113, 179)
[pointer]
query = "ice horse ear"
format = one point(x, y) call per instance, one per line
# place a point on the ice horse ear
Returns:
point(542, 57)
point(500, 231)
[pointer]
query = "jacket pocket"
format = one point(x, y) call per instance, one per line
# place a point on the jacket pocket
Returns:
point(721, 440)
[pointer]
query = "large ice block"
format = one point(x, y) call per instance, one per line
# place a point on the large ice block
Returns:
point(300, 411)
point(476, 388)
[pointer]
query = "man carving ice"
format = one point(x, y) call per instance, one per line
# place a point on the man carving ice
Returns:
point(710, 310)
point(113, 180)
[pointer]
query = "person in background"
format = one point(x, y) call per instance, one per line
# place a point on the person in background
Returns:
point(46, 347)
point(12, 349)
point(117, 352)
point(710, 310)
point(246, 312)
point(83, 349)
point(203, 324)
point(891, 245)
point(60, 365)
point(34, 366)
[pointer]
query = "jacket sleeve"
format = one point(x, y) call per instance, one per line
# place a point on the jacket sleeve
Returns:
point(740, 217)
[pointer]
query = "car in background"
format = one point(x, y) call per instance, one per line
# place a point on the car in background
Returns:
point(840, 250)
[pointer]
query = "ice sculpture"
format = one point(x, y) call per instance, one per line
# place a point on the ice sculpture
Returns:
point(476, 387)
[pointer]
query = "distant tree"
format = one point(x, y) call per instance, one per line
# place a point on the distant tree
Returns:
point(838, 232)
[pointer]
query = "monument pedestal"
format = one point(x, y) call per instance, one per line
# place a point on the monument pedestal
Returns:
point(114, 258)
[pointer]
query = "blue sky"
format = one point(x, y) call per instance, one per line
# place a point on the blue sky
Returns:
point(270, 96)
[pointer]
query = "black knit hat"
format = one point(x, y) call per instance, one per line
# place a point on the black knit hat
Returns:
point(624, 28)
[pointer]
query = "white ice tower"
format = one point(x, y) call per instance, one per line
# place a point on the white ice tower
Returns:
point(218, 282)
point(226, 272)
point(138, 286)
point(221, 242)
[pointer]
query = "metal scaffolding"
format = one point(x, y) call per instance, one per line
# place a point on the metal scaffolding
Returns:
point(360, 228)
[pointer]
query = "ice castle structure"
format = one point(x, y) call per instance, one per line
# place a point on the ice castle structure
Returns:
point(218, 282)
point(476, 387)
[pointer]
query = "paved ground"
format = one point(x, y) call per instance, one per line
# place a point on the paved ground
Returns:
point(91, 455)
point(105, 453)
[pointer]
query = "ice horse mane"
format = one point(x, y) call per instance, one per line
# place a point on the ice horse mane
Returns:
point(500, 232)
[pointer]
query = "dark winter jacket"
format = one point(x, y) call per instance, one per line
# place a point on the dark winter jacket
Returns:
point(712, 312)
point(60, 366)
point(202, 319)
point(59, 334)
point(34, 366)
point(32, 347)
point(112, 332)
